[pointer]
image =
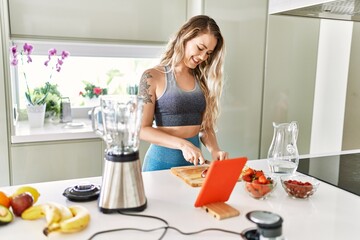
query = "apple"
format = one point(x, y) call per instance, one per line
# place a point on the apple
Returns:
point(21, 202)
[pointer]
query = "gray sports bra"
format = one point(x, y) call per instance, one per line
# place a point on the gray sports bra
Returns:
point(176, 107)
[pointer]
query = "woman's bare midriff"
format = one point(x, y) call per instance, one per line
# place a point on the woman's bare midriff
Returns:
point(181, 131)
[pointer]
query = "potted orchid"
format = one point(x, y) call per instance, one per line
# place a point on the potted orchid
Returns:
point(37, 99)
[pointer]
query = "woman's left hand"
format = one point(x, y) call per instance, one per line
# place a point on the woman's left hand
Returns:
point(220, 155)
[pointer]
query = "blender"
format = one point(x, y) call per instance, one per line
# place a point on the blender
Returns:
point(117, 120)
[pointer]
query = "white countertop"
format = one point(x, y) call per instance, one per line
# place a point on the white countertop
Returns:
point(330, 214)
point(79, 128)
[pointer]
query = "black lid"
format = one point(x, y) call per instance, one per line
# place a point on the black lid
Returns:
point(82, 192)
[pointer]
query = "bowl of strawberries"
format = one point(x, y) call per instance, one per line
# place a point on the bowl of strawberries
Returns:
point(299, 186)
point(257, 184)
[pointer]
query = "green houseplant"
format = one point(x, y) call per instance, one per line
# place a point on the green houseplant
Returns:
point(52, 100)
point(92, 91)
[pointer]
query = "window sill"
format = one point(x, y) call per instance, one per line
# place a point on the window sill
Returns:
point(53, 131)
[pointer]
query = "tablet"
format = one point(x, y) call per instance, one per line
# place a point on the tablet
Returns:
point(220, 180)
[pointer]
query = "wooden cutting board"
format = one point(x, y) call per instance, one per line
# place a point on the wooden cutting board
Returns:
point(190, 174)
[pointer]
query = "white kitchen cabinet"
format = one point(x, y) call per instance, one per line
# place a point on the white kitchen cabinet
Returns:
point(129, 20)
point(351, 135)
point(289, 85)
point(56, 161)
point(4, 153)
point(243, 25)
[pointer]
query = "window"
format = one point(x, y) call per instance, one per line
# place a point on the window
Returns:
point(112, 67)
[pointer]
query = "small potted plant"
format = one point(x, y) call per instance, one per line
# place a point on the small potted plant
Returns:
point(91, 93)
point(52, 100)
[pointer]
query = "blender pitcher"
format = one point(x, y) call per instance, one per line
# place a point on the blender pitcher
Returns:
point(119, 125)
point(283, 155)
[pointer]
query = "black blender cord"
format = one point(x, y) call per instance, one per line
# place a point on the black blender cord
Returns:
point(165, 228)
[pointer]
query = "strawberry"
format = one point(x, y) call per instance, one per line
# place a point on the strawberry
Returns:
point(258, 174)
point(247, 178)
point(298, 189)
point(247, 175)
point(263, 180)
point(248, 172)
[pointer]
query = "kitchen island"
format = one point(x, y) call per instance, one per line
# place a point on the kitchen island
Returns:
point(331, 213)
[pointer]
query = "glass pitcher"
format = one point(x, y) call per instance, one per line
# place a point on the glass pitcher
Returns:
point(283, 155)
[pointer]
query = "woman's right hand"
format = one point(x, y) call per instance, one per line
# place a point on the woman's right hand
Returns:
point(192, 153)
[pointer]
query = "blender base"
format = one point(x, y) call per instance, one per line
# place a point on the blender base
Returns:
point(114, 210)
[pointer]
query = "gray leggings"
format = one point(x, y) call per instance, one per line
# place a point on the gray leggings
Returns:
point(160, 158)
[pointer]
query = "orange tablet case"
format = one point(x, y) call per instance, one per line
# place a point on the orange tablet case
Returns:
point(220, 181)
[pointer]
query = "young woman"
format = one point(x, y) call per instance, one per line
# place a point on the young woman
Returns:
point(182, 95)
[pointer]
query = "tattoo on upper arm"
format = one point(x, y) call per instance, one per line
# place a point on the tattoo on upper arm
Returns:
point(144, 87)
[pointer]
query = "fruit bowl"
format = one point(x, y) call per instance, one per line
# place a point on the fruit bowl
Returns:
point(299, 186)
point(259, 190)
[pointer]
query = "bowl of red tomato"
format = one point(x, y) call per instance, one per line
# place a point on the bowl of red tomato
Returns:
point(257, 184)
point(299, 186)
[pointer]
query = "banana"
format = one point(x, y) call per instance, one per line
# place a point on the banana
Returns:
point(50, 211)
point(64, 211)
point(33, 192)
point(34, 212)
point(52, 214)
point(79, 221)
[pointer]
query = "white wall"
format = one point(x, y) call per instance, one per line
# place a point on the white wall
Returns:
point(290, 73)
point(194, 7)
point(351, 132)
point(331, 84)
point(93, 20)
point(243, 25)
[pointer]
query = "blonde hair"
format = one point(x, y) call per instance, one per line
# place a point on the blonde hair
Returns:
point(210, 72)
